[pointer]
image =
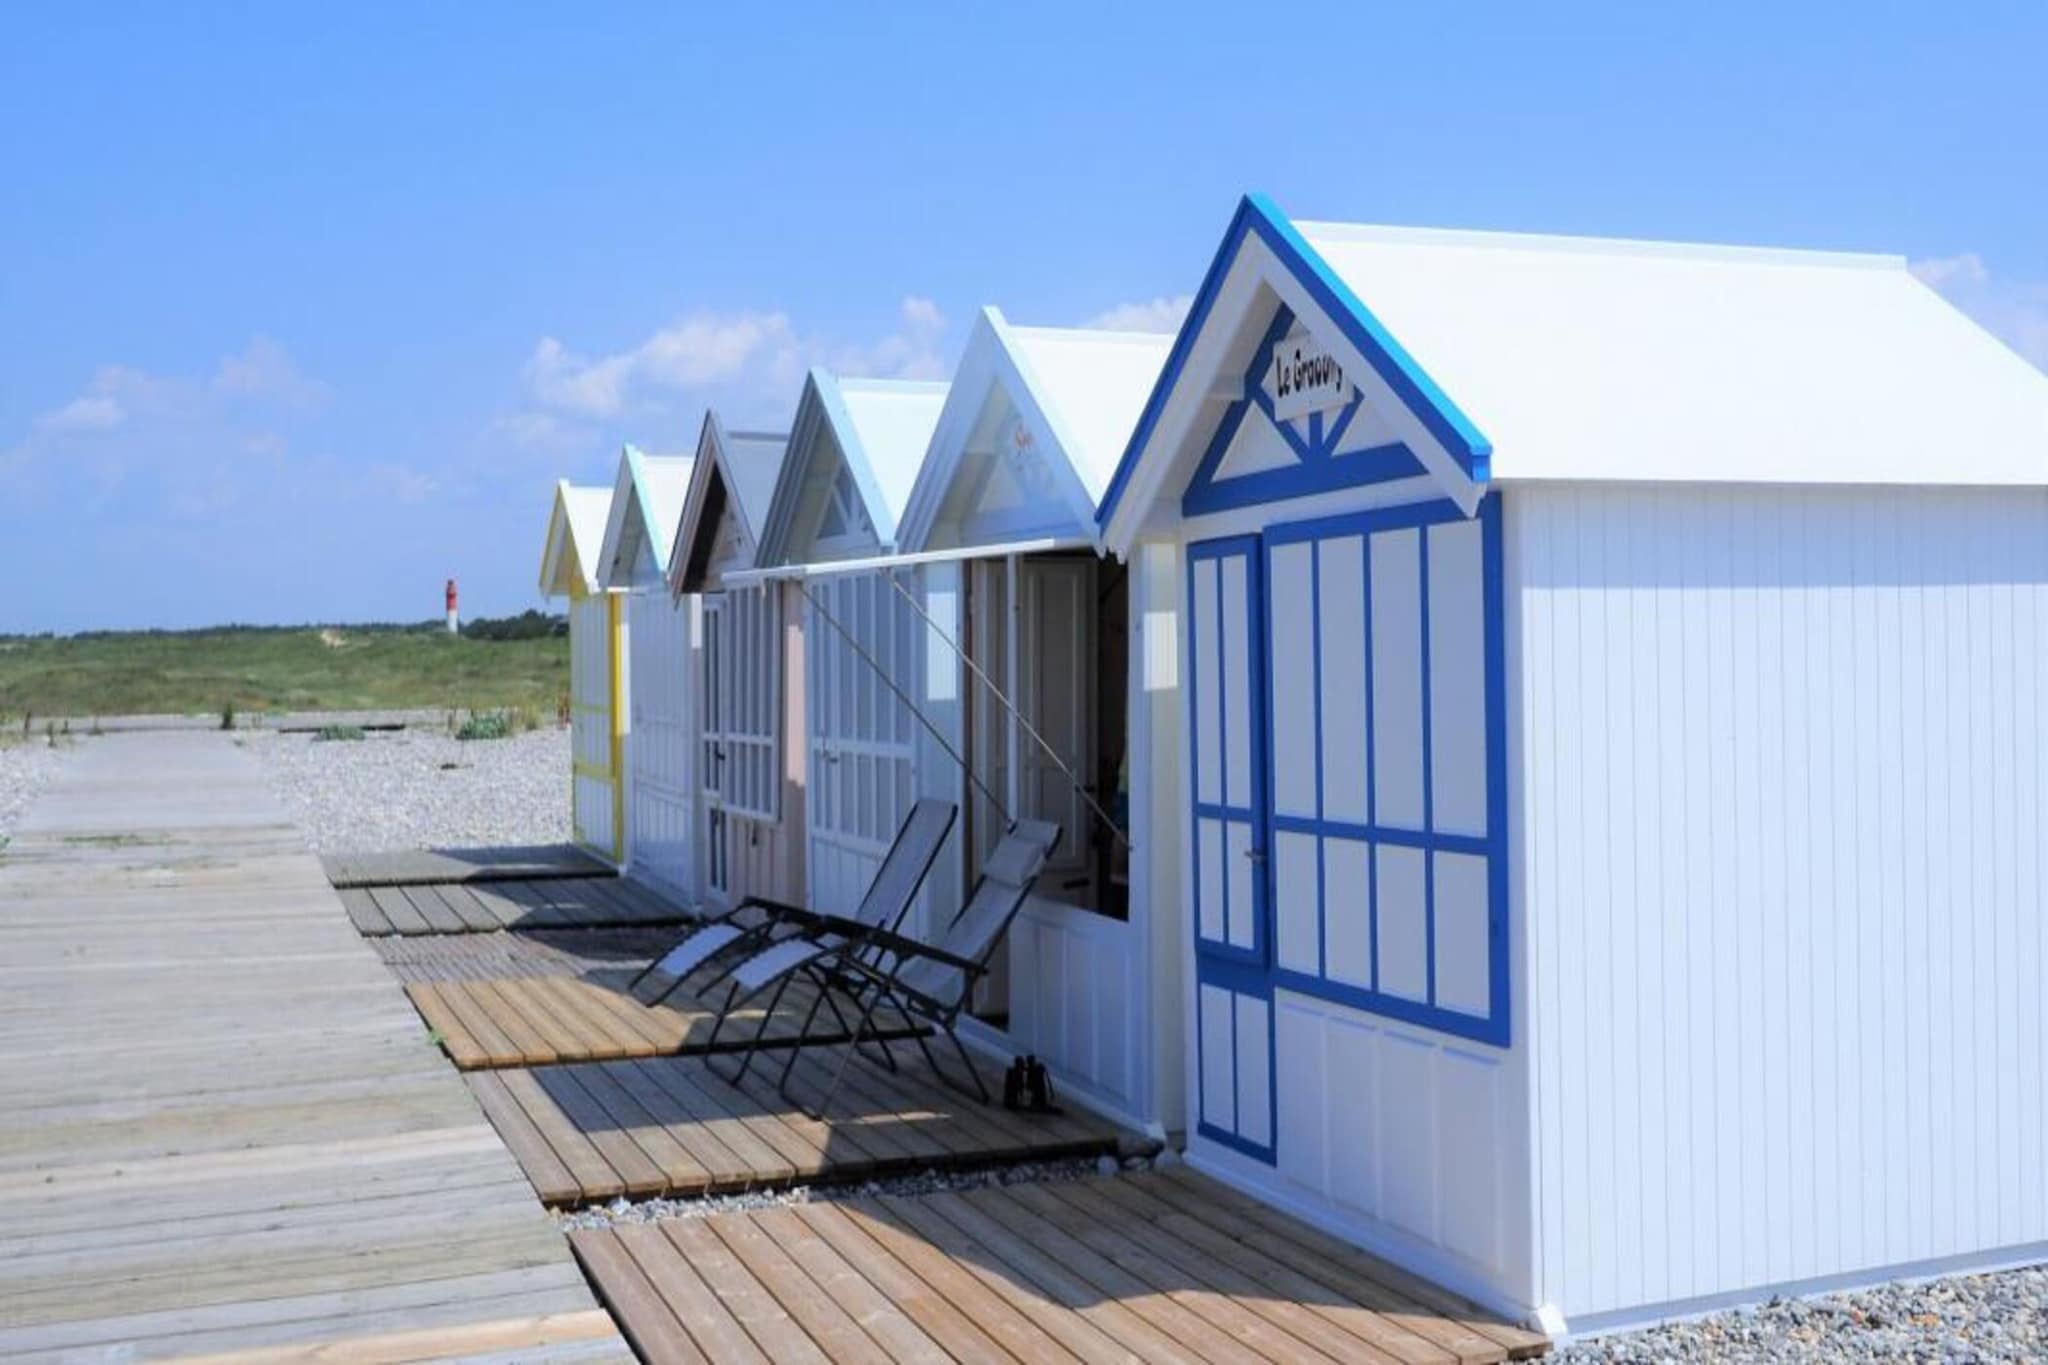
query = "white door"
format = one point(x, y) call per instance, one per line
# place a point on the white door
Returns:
point(1234, 988)
point(711, 753)
point(861, 737)
point(595, 783)
point(658, 744)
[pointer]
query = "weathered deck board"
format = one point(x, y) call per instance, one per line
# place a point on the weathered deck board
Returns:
point(224, 1130)
point(674, 1126)
point(535, 1020)
point(389, 907)
point(437, 866)
point(1150, 1267)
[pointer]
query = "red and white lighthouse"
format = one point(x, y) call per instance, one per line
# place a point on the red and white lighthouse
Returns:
point(454, 619)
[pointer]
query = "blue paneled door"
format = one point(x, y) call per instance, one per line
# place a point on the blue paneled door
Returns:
point(1233, 917)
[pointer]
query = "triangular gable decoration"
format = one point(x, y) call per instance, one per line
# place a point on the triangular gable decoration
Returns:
point(1220, 432)
point(855, 448)
point(726, 503)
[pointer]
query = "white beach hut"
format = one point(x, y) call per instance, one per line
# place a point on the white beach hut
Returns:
point(660, 780)
point(746, 671)
point(568, 569)
point(1003, 512)
point(854, 450)
point(1607, 759)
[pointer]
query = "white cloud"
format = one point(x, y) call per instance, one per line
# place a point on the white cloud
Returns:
point(754, 359)
point(1162, 314)
point(90, 412)
point(128, 424)
point(404, 484)
point(2014, 310)
point(264, 371)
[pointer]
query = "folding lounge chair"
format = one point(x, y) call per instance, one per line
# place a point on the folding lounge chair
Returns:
point(880, 968)
point(889, 897)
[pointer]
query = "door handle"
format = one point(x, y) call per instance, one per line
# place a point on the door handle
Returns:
point(1257, 855)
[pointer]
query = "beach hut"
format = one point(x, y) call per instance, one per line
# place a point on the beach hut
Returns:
point(1604, 759)
point(660, 779)
point(746, 671)
point(597, 710)
point(1003, 513)
point(855, 446)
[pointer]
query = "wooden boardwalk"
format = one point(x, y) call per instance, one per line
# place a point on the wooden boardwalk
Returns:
point(431, 908)
point(1159, 1267)
point(454, 866)
point(224, 1128)
point(674, 1126)
point(538, 1020)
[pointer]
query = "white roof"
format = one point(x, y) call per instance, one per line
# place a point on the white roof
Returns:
point(1059, 402)
point(576, 523)
point(880, 428)
point(1094, 384)
point(747, 465)
point(894, 419)
point(646, 505)
point(1597, 359)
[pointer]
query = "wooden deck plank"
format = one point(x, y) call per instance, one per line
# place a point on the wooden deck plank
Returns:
point(1028, 1278)
point(1446, 1307)
point(1105, 1276)
point(461, 865)
point(363, 912)
point(1229, 1277)
point(841, 1281)
point(764, 1317)
point(436, 911)
point(550, 1176)
point(404, 916)
point(1136, 1257)
point(638, 1176)
point(225, 1130)
point(594, 1176)
point(1287, 1280)
point(640, 1307)
point(955, 1332)
point(835, 1331)
point(708, 1321)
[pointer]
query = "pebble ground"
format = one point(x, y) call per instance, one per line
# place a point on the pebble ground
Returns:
point(421, 788)
point(1965, 1318)
point(25, 766)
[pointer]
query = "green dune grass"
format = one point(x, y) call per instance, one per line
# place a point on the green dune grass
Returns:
point(255, 670)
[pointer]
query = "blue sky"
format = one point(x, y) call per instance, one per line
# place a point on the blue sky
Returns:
point(302, 311)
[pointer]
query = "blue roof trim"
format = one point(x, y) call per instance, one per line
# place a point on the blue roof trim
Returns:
point(1399, 370)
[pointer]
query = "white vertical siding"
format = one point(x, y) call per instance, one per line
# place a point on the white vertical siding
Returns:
point(1783, 763)
point(590, 740)
point(660, 776)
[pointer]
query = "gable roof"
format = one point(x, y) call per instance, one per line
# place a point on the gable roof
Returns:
point(646, 504)
point(880, 429)
point(576, 520)
point(1075, 394)
point(736, 469)
point(1592, 359)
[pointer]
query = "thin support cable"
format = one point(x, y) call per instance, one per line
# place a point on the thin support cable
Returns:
point(1073, 779)
point(901, 695)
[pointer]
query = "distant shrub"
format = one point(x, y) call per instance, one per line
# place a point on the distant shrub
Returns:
point(327, 733)
point(528, 625)
point(227, 715)
point(485, 725)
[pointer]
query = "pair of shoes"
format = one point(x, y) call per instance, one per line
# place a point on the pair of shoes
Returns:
point(1013, 1084)
point(1038, 1088)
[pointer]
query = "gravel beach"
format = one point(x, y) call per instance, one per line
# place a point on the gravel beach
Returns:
point(421, 788)
point(24, 768)
point(2000, 1317)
